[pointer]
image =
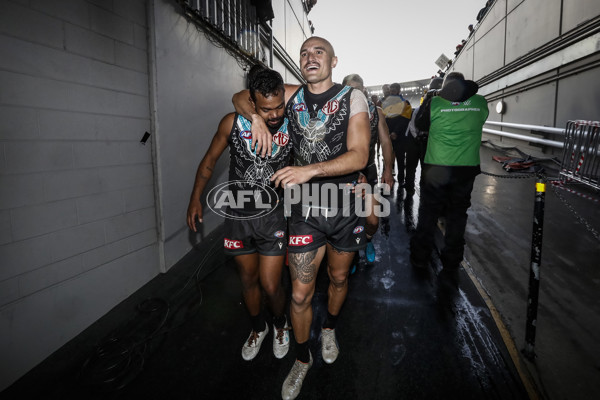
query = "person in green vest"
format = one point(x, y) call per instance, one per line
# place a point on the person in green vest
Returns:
point(454, 117)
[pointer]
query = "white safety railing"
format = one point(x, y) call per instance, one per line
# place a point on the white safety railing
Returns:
point(581, 147)
point(525, 137)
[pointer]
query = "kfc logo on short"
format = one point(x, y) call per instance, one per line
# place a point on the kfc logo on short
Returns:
point(358, 229)
point(331, 107)
point(246, 135)
point(300, 107)
point(281, 139)
point(300, 240)
point(233, 244)
point(279, 234)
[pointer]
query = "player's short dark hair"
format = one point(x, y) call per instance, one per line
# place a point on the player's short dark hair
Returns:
point(266, 82)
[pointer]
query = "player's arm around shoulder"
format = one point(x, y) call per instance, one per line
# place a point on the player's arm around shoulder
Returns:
point(243, 104)
point(261, 137)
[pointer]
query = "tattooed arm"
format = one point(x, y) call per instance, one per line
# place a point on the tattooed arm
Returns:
point(205, 169)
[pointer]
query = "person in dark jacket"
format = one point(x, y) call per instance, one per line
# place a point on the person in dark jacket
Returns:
point(416, 143)
point(454, 117)
point(484, 10)
point(397, 111)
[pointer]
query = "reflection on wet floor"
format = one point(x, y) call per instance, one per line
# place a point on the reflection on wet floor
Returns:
point(403, 334)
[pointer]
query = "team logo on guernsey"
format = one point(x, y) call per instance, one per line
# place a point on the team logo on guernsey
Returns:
point(358, 229)
point(331, 107)
point(233, 244)
point(455, 103)
point(279, 234)
point(246, 134)
point(300, 240)
point(281, 138)
point(300, 107)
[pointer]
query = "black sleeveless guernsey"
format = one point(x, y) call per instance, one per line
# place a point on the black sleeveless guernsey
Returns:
point(318, 127)
point(249, 170)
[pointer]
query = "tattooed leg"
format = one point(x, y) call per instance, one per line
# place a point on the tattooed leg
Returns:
point(303, 271)
point(302, 266)
point(338, 265)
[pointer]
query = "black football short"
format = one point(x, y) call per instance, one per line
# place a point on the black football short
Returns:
point(345, 231)
point(266, 235)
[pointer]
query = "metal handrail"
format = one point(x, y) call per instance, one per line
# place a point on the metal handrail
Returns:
point(532, 139)
point(537, 128)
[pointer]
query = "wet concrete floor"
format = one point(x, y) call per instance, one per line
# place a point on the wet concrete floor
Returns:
point(402, 335)
point(567, 342)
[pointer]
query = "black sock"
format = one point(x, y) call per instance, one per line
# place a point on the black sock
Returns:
point(330, 321)
point(258, 322)
point(302, 353)
point(279, 322)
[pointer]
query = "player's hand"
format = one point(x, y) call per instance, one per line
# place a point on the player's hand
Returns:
point(393, 135)
point(361, 179)
point(194, 213)
point(289, 176)
point(261, 137)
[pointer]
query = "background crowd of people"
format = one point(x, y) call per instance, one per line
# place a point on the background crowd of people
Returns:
point(460, 46)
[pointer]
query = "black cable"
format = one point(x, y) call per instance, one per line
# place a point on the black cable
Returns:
point(195, 277)
point(526, 156)
point(120, 358)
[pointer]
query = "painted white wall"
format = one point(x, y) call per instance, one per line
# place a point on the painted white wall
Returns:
point(88, 214)
point(194, 84)
point(77, 214)
point(540, 93)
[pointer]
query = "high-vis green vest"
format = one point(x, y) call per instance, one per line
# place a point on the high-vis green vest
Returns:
point(455, 131)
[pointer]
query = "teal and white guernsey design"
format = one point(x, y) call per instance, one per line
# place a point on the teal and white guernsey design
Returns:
point(319, 126)
point(319, 136)
point(245, 165)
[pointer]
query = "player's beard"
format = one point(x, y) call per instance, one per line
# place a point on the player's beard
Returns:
point(275, 123)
